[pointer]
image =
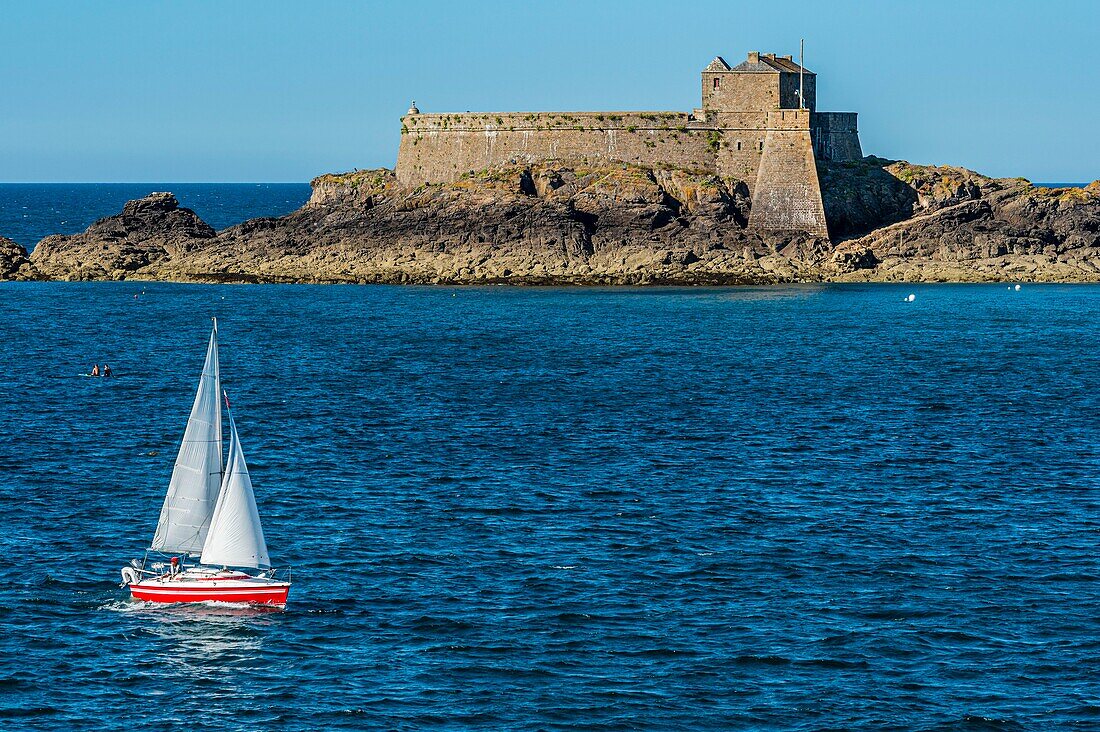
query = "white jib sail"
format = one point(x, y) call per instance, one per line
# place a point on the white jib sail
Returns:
point(197, 475)
point(236, 538)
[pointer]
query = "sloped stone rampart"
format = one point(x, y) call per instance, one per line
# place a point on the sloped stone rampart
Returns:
point(787, 196)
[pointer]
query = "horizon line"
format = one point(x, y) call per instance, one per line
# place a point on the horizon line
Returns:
point(292, 182)
point(149, 182)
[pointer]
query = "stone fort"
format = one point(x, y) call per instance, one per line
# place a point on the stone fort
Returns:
point(758, 123)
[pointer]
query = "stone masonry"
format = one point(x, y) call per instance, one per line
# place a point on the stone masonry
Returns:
point(753, 126)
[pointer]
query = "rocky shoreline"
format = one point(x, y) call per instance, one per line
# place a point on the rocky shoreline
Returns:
point(610, 225)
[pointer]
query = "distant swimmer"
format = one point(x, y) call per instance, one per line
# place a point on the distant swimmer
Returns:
point(107, 370)
point(95, 370)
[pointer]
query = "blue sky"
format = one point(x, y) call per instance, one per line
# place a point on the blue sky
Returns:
point(151, 90)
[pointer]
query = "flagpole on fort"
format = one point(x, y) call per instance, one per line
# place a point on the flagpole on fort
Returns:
point(801, 68)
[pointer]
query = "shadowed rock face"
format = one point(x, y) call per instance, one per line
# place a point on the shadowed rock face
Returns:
point(14, 263)
point(998, 229)
point(616, 224)
point(863, 196)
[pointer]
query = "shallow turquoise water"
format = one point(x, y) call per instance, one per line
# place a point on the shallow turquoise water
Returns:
point(798, 508)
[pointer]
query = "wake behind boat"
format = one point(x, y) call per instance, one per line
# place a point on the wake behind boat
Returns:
point(209, 514)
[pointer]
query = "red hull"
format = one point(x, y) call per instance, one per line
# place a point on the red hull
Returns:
point(276, 595)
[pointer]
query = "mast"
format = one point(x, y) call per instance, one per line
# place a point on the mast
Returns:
point(801, 68)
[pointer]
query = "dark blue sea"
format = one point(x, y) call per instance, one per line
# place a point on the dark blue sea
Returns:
point(784, 507)
point(797, 508)
point(31, 211)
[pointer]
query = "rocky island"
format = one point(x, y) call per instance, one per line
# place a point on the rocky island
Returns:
point(609, 225)
point(754, 187)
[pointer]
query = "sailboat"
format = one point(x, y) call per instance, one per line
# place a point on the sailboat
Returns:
point(209, 515)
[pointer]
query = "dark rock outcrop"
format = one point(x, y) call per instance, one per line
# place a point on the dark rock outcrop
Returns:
point(616, 224)
point(148, 232)
point(14, 262)
point(1004, 229)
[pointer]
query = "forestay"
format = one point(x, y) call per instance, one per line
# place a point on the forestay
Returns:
point(236, 538)
point(197, 475)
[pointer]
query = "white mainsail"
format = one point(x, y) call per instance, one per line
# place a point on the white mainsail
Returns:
point(197, 475)
point(236, 538)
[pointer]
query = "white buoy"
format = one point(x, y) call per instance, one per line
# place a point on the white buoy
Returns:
point(1017, 288)
point(911, 297)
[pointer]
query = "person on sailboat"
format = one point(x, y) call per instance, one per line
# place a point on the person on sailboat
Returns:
point(95, 369)
point(175, 565)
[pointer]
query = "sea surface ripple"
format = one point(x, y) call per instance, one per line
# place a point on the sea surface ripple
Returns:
point(798, 508)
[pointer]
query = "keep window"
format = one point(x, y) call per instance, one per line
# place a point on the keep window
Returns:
point(717, 82)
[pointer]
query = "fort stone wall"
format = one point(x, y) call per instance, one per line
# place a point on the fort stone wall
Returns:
point(836, 137)
point(440, 148)
point(789, 88)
